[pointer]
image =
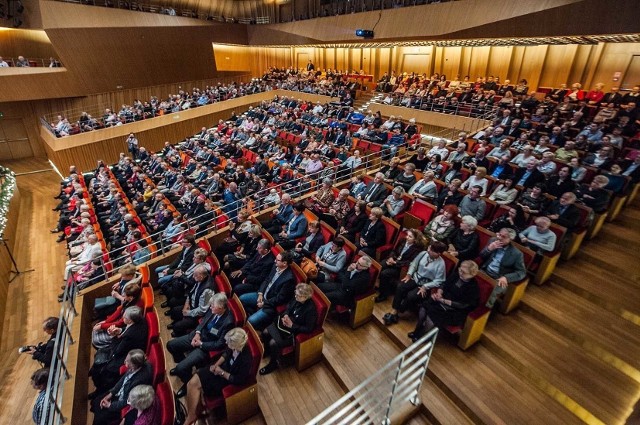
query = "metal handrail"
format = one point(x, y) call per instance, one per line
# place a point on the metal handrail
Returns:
point(382, 395)
point(39, 62)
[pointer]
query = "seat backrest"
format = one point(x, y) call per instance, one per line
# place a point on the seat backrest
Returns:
point(560, 234)
point(147, 298)
point(167, 403)
point(154, 328)
point(266, 235)
point(527, 254)
point(423, 210)
point(239, 314)
point(350, 249)
point(301, 277)
point(327, 231)
point(392, 228)
point(144, 272)
point(483, 236)
point(450, 263)
point(222, 283)
point(256, 348)
point(485, 284)
point(157, 360)
point(584, 216)
point(214, 263)
point(204, 244)
point(322, 304)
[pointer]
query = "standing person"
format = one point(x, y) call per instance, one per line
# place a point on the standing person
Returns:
point(39, 381)
point(132, 146)
point(43, 352)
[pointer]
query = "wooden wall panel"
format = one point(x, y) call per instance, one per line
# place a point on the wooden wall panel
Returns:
point(451, 62)
point(355, 60)
point(5, 261)
point(614, 58)
point(580, 63)
point(499, 59)
point(479, 61)
point(557, 64)
point(532, 64)
point(28, 43)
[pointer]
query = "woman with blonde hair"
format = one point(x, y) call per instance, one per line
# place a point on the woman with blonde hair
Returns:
point(232, 368)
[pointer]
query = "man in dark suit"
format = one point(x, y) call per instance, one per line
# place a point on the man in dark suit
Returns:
point(501, 169)
point(562, 211)
point(528, 176)
point(277, 289)
point(132, 336)
point(280, 215)
point(373, 234)
point(255, 271)
point(376, 191)
point(478, 160)
point(350, 283)
point(193, 349)
point(260, 168)
point(183, 261)
point(503, 262)
point(107, 407)
point(613, 96)
point(310, 66)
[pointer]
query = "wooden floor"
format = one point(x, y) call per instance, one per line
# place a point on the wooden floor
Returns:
point(569, 355)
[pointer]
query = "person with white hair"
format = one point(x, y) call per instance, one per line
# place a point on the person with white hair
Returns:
point(440, 148)
point(145, 406)
point(465, 241)
point(91, 250)
point(539, 236)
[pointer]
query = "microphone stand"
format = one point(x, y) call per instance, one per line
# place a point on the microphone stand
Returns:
point(17, 271)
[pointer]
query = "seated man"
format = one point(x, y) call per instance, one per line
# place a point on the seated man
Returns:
point(539, 237)
point(280, 215)
point(426, 271)
point(503, 262)
point(106, 367)
point(255, 271)
point(349, 284)
point(472, 204)
point(107, 305)
point(185, 317)
point(107, 407)
point(562, 211)
point(294, 228)
point(276, 290)
point(193, 349)
point(182, 262)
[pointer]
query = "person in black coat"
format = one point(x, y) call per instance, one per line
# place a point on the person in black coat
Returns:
point(560, 183)
point(562, 211)
point(182, 262)
point(398, 258)
point(450, 304)
point(134, 336)
point(193, 349)
point(353, 281)
point(276, 290)
point(376, 191)
point(354, 221)
point(373, 234)
point(299, 318)
point(451, 195)
point(255, 271)
point(594, 195)
point(43, 352)
point(528, 176)
point(311, 243)
point(465, 242)
point(233, 367)
point(107, 407)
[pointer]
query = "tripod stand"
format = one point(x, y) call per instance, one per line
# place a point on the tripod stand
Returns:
point(17, 271)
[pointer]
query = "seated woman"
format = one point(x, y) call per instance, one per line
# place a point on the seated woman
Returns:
point(105, 330)
point(477, 179)
point(354, 221)
point(320, 202)
point(533, 200)
point(311, 243)
point(419, 159)
point(245, 250)
point(464, 243)
point(398, 258)
point(238, 231)
point(392, 170)
point(443, 225)
point(338, 209)
point(233, 367)
point(505, 193)
point(393, 204)
point(449, 305)
point(145, 407)
point(453, 172)
point(373, 234)
point(435, 166)
point(513, 219)
point(299, 317)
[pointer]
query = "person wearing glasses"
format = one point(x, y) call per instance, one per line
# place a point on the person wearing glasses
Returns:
point(350, 283)
point(299, 317)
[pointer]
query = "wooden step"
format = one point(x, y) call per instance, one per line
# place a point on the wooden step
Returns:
point(479, 382)
point(615, 294)
point(603, 334)
point(287, 396)
point(613, 258)
point(354, 355)
point(562, 369)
